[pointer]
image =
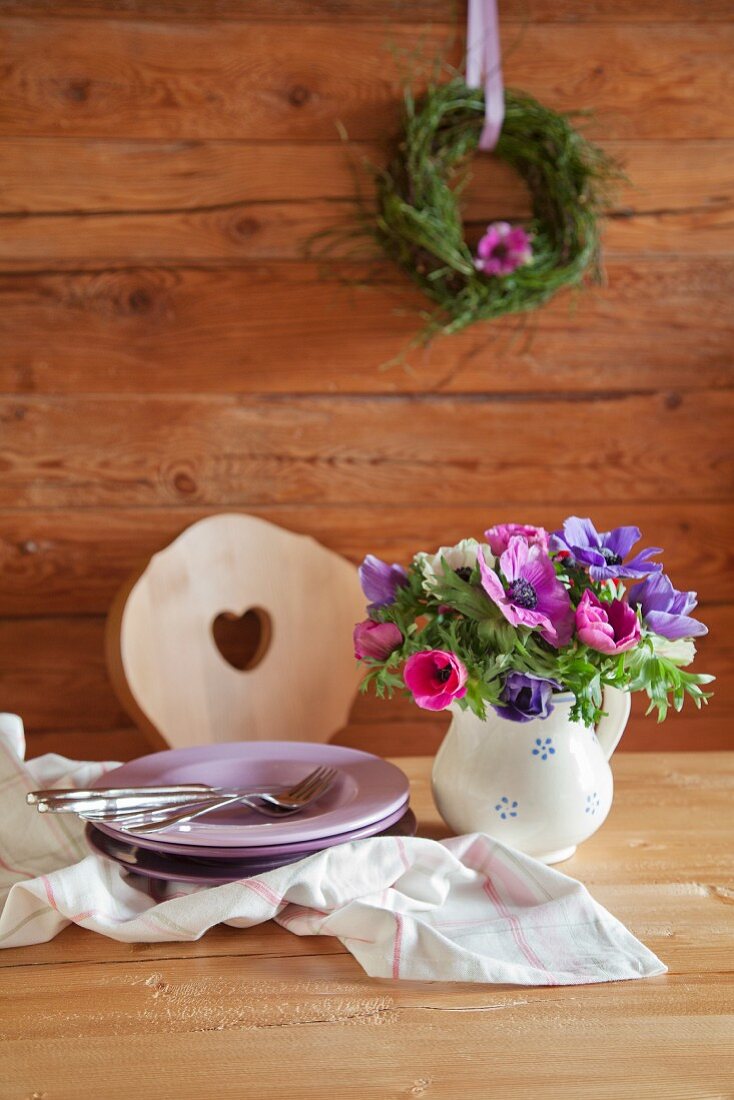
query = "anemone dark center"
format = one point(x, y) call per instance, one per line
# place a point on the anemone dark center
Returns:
point(500, 251)
point(443, 674)
point(464, 573)
point(522, 593)
point(609, 556)
point(524, 698)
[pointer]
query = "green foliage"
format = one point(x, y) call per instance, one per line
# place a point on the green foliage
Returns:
point(419, 224)
point(664, 682)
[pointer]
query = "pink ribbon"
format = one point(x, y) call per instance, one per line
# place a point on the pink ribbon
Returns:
point(484, 66)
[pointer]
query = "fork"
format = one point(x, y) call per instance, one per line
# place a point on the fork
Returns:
point(310, 788)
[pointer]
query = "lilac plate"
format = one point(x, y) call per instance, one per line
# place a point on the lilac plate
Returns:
point(200, 870)
point(366, 790)
point(154, 843)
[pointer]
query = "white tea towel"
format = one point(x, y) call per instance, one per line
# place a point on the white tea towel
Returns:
point(467, 909)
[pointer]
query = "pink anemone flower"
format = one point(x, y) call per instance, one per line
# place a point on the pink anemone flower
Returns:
point(534, 596)
point(503, 249)
point(435, 677)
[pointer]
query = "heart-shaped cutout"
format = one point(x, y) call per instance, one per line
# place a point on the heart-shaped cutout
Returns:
point(242, 640)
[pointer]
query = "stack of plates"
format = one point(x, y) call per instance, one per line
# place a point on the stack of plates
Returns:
point(368, 798)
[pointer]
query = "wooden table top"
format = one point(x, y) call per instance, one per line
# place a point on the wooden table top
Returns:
point(262, 1013)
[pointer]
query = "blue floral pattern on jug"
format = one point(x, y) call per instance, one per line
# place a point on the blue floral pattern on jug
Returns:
point(544, 747)
point(505, 808)
point(592, 803)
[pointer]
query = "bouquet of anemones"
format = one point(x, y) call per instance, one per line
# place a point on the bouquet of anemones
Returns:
point(512, 621)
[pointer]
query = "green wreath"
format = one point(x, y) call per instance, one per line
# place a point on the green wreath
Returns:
point(419, 223)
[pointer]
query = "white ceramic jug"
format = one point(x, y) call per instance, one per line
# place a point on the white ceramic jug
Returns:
point(541, 786)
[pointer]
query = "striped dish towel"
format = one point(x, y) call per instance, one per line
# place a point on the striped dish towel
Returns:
point(467, 909)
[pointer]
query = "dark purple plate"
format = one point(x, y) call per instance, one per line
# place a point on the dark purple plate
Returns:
point(199, 869)
point(366, 790)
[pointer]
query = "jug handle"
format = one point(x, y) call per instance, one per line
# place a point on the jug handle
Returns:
point(612, 724)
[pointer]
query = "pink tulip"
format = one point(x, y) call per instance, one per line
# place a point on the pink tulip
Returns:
point(376, 641)
point(499, 537)
point(435, 677)
point(606, 627)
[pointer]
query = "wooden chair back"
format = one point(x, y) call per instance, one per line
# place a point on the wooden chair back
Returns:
point(238, 630)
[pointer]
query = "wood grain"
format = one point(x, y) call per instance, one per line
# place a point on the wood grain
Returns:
point(229, 451)
point(125, 743)
point(121, 79)
point(418, 737)
point(291, 329)
point(683, 1030)
point(54, 674)
point(76, 175)
point(68, 175)
point(384, 11)
point(227, 1010)
point(73, 561)
point(243, 231)
point(55, 667)
point(116, 203)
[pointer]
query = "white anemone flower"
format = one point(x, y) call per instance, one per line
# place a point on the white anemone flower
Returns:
point(461, 558)
point(681, 651)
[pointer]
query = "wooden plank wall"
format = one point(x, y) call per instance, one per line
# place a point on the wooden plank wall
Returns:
point(167, 350)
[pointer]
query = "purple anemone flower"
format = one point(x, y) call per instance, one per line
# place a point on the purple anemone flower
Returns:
point(664, 609)
point(526, 697)
point(534, 596)
point(604, 552)
point(380, 581)
point(503, 249)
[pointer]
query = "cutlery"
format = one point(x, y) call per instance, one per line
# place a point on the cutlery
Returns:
point(128, 803)
point(312, 787)
point(57, 794)
point(112, 801)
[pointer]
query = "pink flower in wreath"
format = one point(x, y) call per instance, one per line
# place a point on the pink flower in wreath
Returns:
point(435, 677)
point(503, 249)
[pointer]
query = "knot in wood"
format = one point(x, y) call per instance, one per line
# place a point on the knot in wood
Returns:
point(184, 483)
point(246, 226)
point(78, 90)
point(298, 95)
point(140, 301)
